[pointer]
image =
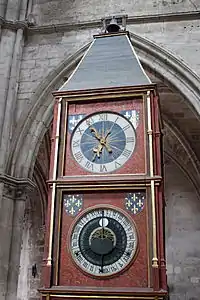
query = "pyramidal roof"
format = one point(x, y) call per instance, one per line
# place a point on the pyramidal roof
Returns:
point(110, 61)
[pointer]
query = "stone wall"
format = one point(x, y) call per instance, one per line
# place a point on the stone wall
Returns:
point(182, 235)
point(51, 12)
point(32, 250)
point(179, 38)
point(43, 52)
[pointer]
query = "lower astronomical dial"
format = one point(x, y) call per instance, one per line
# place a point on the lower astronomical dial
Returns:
point(103, 241)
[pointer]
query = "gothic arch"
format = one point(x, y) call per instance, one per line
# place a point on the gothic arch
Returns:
point(178, 150)
point(37, 118)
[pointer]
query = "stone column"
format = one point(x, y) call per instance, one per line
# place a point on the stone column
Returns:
point(11, 48)
point(6, 219)
point(15, 193)
point(13, 24)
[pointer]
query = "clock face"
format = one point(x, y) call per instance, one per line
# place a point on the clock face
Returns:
point(103, 142)
point(103, 242)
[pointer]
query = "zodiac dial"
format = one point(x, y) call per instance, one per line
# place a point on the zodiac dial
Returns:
point(103, 142)
point(103, 242)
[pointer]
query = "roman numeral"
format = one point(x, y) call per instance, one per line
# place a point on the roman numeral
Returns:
point(80, 258)
point(126, 127)
point(128, 254)
point(79, 130)
point(113, 269)
point(85, 264)
point(78, 156)
point(117, 165)
point(103, 117)
point(77, 253)
point(103, 168)
point(126, 153)
point(126, 258)
point(131, 237)
point(130, 139)
point(74, 243)
point(116, 119)
point(76, 143)
point(89, 121)
point(91, 268)
point(89, 166)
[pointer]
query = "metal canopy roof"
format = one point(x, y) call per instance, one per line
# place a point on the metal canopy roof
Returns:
point(110, 61)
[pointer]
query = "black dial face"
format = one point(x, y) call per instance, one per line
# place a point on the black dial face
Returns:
point(103, 242)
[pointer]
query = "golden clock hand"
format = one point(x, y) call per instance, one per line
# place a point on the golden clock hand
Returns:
point(97, 151)
point(96, 134)
point(108, 148)
point(109, 131)
point(104, 142)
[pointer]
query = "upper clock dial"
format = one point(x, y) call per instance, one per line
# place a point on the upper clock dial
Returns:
point(103, 142)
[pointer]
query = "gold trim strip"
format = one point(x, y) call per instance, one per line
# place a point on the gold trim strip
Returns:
point(58, 239)
point(104, 175)
point(111, 185)
point(123, 91)
point(57, 139)
point(150, 134)
point(77, 188)
point(145, 136)
point(154, 259)
point(107, 297)
point(148, 237)
point(64, 139)
point(82, 98)
point(104, 187)
point(49, 259)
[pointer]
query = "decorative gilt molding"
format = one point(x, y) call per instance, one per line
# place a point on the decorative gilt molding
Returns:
point(16, 188)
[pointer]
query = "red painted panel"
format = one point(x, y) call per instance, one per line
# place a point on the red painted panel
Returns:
point(137, 162)
point(135, 276)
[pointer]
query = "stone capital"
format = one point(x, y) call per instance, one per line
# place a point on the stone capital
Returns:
point(13, 25)
point(17, 189)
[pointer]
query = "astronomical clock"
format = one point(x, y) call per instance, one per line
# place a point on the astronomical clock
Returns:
point(103, 142)
point(105, 219)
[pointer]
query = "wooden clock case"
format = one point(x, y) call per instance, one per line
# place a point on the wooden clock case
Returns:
point(145, 277)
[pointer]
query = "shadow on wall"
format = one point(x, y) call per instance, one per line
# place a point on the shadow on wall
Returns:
point(182, 235)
